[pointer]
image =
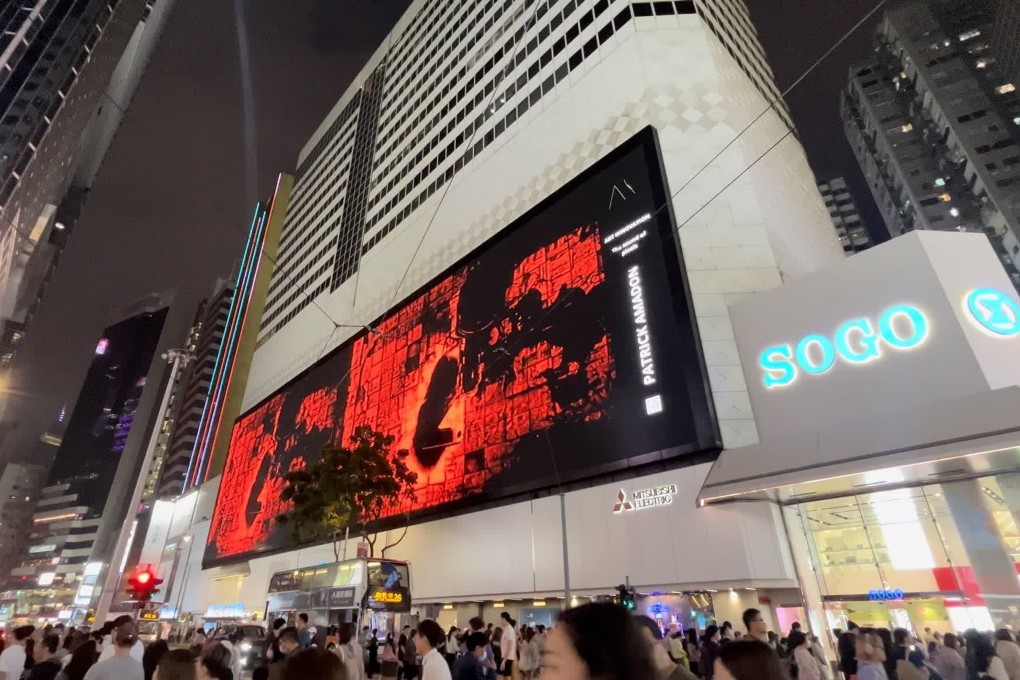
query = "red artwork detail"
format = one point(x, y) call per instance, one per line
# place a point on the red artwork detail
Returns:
point(457, 393)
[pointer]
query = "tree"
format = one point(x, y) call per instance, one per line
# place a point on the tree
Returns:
point(348, 488)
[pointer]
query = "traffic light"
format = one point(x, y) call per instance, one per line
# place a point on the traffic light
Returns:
point(142, 584)
point(627, 597)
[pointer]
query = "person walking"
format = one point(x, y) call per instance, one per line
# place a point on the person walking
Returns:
point(665, 667)
point(12, 659)
point(433, 664)
point(870, 656)
point(1007, 649)
point(710, 651)
point(800, 655)
point(754, 622)
point(470, 665)
point(748, 660)
point(390, 659)
point(350, 653)
point(950, 664)
point(409, 656)
point(303, 631)
point(373, 653)
point(508, 645)
point(47, 665)
point(121, 665)
point(80, 661)
point(289, 646)
point(597, 641)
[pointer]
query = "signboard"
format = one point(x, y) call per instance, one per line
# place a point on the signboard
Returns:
point(564, 349)
point(388, 599)
point(885, 594)
point(340, 598)
point(149, 615)
point(927, 317)
point(234, 610)
point(645, 498)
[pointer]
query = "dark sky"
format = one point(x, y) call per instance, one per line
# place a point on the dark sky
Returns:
point(170, 207)
point(172, 203)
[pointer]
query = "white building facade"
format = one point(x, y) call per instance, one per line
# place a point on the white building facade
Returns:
point(466, 117)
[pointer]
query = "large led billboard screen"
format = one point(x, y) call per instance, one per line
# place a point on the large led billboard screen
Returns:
point(563, 349)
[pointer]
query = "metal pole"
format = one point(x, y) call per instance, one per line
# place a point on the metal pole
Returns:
point(566, 556)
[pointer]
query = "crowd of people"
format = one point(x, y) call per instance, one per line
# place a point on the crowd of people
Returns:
point(598, 641)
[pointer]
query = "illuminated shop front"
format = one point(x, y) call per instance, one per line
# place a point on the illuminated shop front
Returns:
point(886, 390)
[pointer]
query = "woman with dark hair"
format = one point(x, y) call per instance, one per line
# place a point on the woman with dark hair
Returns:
point(152, 656)
point(390, 659)
point(748, 660)
point(981, 659)
point(847, 648)
point(82, 659)
point(950, 665)
point(350, 654)
point(693, 650)
point(710, 651)
point(800, 650)
point(597, 641)
point(317, 664)
point(215, 664)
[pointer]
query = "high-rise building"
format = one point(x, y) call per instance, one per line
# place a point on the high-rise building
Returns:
point(518, 147)
point(934, 120)
point(845, 214)
point(20, 485)
point(1005, 42)
point(110, 433)
point(204, 343)
point(484, 109)
point(68, 71)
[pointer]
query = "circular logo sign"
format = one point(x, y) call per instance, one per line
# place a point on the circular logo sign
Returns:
point(995, 311)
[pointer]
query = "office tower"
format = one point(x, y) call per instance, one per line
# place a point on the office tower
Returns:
point(204, 342)
point(95, 483)
point(934, 121)
point(1006, 38)
point(484, 109)
point(68, 71)
point(20, 485)
point(845, 215)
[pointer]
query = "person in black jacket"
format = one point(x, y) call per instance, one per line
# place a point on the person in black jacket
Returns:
point(710, 651)
point(471, 666)
point(46, 664)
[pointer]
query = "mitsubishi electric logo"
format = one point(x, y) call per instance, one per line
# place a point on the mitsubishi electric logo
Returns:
point(994, 311)
point(645, 498)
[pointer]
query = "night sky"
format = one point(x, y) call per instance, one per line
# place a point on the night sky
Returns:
point(172, 203)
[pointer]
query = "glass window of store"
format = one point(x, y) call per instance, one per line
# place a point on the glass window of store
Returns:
point(916, 557)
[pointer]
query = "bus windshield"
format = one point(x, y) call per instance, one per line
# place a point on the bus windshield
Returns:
point(388, 575)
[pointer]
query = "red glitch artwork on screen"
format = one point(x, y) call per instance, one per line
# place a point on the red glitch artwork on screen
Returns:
point(458, 399)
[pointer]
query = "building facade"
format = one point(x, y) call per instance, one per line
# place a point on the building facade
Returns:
point(68, 72)
point(471, 117)
point(934, 120)
point(845, 215)
point(204, 343)
point(20, 486)
point(84, 519)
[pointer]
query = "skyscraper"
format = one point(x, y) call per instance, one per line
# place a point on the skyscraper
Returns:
point(205, 342)
point(68, 71)
point(111, 432)
point(480, 110)
point(934, 120)
point(845, 215)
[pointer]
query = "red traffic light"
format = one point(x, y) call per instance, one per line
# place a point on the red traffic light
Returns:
point(144, 577)
point(143, 584)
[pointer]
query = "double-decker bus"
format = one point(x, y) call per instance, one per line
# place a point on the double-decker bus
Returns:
point(364, 591)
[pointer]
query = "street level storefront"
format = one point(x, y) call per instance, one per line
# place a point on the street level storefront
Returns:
point(885, 389)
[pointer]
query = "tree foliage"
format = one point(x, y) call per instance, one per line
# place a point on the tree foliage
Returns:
point(349, 488)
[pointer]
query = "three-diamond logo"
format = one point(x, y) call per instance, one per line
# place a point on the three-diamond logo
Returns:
point(622, 504)
point(994, 311)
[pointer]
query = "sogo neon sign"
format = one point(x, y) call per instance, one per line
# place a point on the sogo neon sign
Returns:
point(857, 341)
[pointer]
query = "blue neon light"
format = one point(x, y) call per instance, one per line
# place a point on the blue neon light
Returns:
point(994, 311)
point(885, 594)
point(900, 327)
point(200, 450)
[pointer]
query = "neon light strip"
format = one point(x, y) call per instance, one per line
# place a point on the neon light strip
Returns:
point(189, 480)
point(225, 355)
point(242, 296)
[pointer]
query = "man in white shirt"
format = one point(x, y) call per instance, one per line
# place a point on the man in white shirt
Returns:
point(121, 665)
point(110, 646)
point(433, 665)
point(508, 644)
point(12, 660)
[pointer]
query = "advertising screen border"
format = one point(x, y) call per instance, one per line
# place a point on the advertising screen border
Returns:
point(708, 442)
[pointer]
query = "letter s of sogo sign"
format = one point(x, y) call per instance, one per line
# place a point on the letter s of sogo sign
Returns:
point(856, 341)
